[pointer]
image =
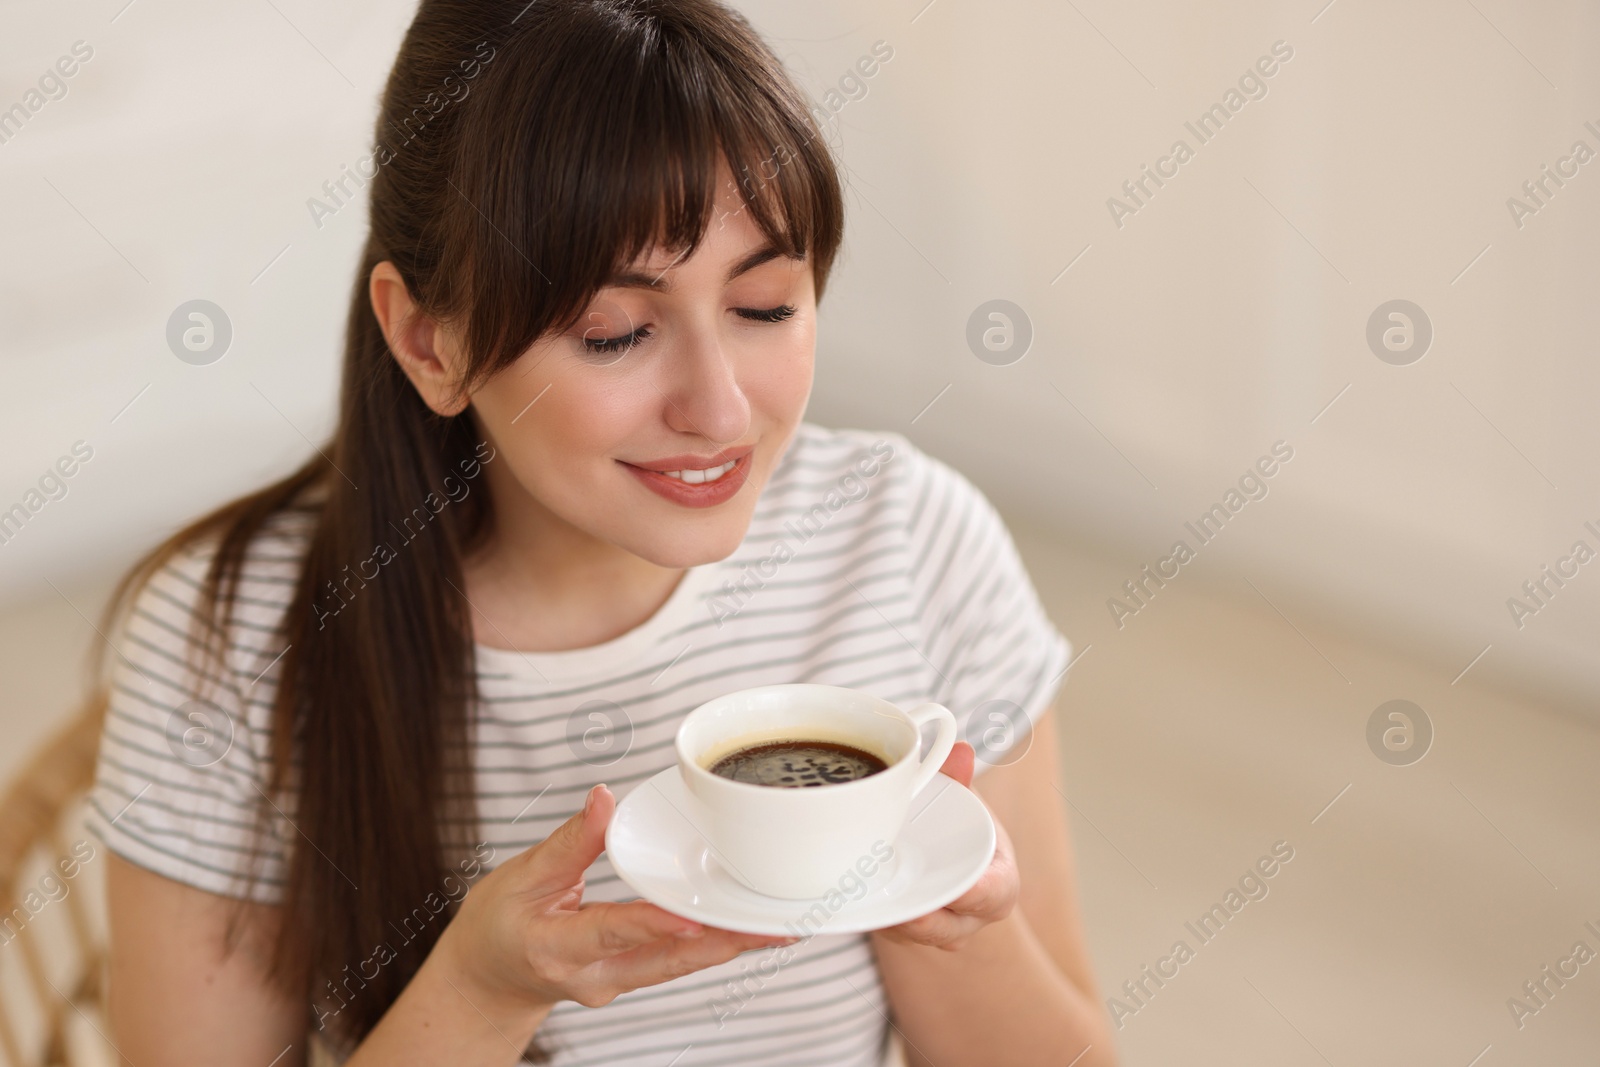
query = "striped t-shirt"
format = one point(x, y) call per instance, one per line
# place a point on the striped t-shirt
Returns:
point(867, 564)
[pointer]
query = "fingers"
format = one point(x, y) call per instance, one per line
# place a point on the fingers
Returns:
point(991, 898)
point(672, 957)
point(959, 763)
point(601, 930)
point(561, 859)
point(938, 929)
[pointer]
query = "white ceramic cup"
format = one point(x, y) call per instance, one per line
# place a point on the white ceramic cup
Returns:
point(795, 844)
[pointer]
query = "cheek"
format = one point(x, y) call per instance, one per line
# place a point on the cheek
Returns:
point(579, 424)
point(777, 377)
point(557, 431)
point(559, 451)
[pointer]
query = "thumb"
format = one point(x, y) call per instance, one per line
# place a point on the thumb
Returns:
point(561, 859)
point(959, 764)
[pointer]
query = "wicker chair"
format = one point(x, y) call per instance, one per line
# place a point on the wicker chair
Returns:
point(66, 969)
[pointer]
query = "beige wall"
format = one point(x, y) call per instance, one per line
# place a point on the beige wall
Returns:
point(1222, 316)
point(1231, 308)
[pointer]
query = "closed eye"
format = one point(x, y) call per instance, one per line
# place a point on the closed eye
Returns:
point(601, 345)
point(777, 314)
point(616, 344)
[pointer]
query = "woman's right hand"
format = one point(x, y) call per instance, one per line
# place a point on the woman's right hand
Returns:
point(523, 935)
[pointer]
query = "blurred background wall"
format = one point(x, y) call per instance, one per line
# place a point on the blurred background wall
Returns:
point(1176, 336)
point(1172, 318)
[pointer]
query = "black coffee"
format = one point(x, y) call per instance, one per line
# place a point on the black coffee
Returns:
point(793, 764)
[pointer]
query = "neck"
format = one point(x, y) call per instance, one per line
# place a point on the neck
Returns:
point(540, 584)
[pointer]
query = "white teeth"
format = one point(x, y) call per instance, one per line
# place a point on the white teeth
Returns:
point(710, 474)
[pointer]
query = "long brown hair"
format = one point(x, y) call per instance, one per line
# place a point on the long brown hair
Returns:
point(523, 154)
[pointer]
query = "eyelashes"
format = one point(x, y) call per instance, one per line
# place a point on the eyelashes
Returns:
point(777, 314)
point(616, 344)
point(606, 345)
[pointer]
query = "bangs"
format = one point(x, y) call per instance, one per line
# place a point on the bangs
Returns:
point(603, 135)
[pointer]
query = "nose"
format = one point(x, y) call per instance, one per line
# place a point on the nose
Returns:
point(702, 394)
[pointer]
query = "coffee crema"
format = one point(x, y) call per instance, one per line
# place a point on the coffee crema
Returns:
point(796, 764)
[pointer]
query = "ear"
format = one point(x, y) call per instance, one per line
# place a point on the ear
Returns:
point(428, 352)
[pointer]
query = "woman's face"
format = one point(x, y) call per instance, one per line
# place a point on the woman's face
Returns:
point(674, 367)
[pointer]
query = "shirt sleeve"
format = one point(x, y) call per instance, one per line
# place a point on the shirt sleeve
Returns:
point(999, 657)
point(182, 762)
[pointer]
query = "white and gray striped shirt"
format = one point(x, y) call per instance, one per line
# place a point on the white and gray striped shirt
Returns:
point(867, 564)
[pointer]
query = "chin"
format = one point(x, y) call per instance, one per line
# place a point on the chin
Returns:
point(695, 544)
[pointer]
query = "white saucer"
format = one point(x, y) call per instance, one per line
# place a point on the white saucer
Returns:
point(945, 847)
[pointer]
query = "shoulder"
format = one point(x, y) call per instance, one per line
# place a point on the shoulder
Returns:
point(165, 612)
point(816, 453)
point(186, 747)
point(971, 606)
point(887, 482)
point(853, 460)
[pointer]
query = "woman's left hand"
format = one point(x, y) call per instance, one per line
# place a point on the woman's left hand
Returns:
point(989, 900)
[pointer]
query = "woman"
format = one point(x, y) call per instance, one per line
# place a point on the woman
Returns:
point(570, 497)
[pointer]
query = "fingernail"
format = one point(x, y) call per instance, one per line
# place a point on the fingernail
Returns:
point(691, 931)
point(588, 803)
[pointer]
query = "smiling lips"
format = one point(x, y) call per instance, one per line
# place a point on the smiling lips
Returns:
point(708, 474)
point(695, 481)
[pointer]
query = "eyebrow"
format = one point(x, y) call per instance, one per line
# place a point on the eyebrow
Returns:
point(633, 279)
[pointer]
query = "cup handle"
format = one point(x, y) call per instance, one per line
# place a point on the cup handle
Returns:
point(944, 739)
